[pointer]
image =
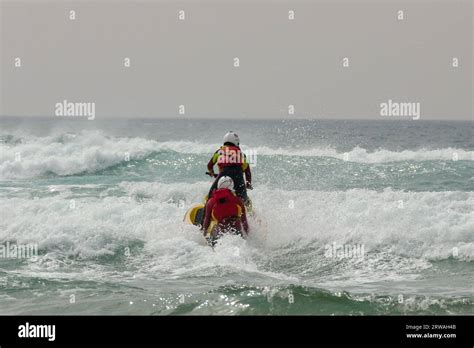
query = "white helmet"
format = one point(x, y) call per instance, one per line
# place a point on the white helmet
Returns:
point(232, 138)
point(225, 182)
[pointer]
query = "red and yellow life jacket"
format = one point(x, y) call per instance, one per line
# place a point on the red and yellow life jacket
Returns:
point(226, 205)
point(229, 155)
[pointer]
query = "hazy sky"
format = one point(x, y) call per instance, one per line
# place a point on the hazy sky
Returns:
point(282, 62)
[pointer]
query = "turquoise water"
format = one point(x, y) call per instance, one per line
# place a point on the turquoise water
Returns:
point(104, 200)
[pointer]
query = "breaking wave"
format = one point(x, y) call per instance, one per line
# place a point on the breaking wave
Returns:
point(92, 151)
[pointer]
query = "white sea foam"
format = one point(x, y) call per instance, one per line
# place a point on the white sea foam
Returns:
point(69, 154)
point(431, 225)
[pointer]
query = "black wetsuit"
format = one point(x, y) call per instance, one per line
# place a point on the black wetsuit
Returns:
point(236, 174)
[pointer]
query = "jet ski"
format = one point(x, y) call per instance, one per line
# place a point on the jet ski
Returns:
point(195, 216)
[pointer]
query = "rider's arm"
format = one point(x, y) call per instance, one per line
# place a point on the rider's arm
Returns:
point(248, 176)
point(246, 170)
point(212, 162)
point(207, 216)
point(210, 167)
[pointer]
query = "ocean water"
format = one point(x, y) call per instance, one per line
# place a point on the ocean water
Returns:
point(351, 217)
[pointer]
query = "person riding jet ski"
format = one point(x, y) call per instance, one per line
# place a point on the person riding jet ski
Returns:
point(225, 212)
point(231, 162)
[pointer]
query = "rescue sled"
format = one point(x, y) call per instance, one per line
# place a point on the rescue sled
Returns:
point(195, 216)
